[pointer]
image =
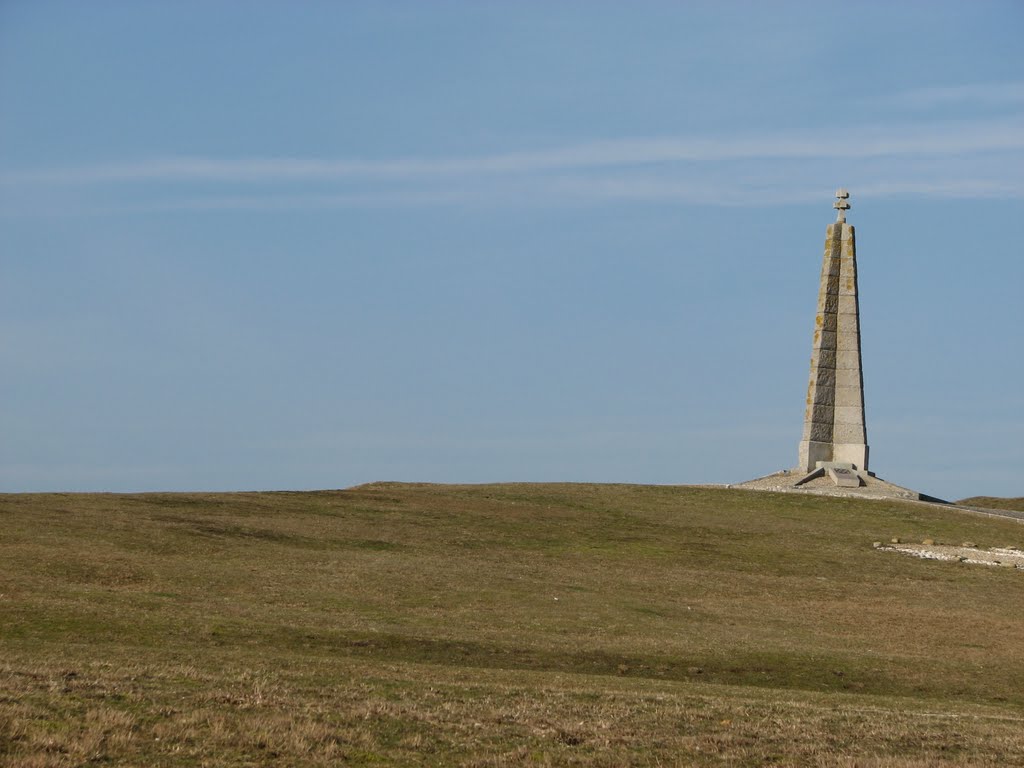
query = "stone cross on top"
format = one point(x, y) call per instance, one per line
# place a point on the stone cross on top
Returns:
point(841, 204)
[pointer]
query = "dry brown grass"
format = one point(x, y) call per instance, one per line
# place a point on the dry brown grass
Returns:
point(412, 624)
point(418, 714)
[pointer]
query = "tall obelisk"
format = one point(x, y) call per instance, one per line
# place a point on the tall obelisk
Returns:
point(834, 427)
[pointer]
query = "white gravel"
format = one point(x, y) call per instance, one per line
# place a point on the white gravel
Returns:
point(1005, 556)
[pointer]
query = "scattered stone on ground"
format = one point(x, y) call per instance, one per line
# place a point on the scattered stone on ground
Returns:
point(1008, 557)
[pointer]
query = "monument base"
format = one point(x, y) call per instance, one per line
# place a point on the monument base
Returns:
point(819, 481)
point(852, 453)
point(812, 454)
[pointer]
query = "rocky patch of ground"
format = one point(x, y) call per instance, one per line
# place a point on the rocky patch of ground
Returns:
point(1009, 557)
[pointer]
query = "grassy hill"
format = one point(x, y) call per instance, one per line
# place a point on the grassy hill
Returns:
point(502, 625)
point(994, 502)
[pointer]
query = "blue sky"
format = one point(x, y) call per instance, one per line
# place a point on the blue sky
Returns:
point(250, 245)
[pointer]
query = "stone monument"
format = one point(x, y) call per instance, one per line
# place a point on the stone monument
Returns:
point(834, 431)
point(833, 454)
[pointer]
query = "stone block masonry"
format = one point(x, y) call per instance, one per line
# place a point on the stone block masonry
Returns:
point(833, 454)
point(834, 425)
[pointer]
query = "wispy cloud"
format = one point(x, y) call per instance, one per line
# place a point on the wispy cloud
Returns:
point(264, 202)
point(782, 192)
point(949, 138)
point(564, 190)
point(934, 159)
point(975, 189)
point(975, 94)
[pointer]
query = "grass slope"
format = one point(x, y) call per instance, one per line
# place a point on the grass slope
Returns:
point(994, 502)
point(504, 624)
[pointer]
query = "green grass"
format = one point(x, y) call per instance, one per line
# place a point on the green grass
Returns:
point(994, 502)
point(506, 624)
